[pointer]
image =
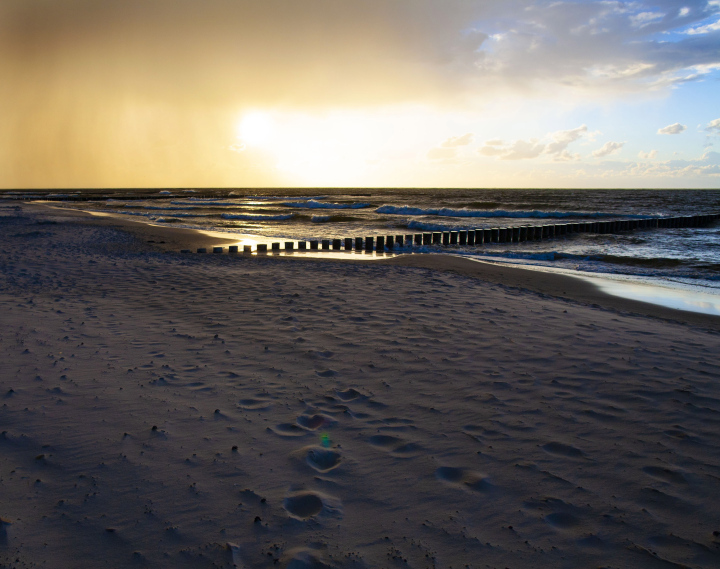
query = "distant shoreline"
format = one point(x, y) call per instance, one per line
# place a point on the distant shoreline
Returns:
point(558, 285)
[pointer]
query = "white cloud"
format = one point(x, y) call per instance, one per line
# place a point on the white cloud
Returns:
point(713, 126)
point(616, 47)
point(524, 150)
point(448, 150)
point(705, 29)
point(518, 150)
point(455, 141)
point(644, 18)
point(647, 155)
point(492, 148)
point(566, 156)
point(675, 128)
point(555, 144)
point(607, 149)
point(562, 138)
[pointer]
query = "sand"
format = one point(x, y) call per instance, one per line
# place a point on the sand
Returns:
point(169, 410)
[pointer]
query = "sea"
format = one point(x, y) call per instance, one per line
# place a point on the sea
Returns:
point(685, 259)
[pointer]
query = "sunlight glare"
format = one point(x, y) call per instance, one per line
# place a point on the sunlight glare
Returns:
point(256, 128)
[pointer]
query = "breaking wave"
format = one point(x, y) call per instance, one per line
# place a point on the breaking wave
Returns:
point(450, 212)
point(326, 205)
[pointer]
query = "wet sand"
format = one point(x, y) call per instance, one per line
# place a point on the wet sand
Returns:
point(170, 410)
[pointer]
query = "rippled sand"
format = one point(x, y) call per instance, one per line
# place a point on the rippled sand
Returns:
point(167, 410)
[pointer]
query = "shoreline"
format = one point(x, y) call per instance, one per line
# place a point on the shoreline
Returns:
point(554, 284)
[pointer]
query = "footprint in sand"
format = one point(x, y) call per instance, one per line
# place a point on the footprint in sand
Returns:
point(254, 404)
point(314, 422)
point(396, 446)
point(562, 516)
point(288, 430)
point(561, 449)
point(304, 505)
point(350, 394)
point(323, 459)
point(463, 478)
point(319, 458)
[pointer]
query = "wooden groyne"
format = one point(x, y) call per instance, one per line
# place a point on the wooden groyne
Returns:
point(480, 237)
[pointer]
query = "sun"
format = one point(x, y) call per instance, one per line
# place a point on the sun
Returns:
point(256, 128)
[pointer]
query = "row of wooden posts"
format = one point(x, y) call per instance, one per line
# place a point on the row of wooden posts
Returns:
point(476, 237)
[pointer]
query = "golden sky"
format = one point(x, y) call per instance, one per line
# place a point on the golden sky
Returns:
point(107, 93)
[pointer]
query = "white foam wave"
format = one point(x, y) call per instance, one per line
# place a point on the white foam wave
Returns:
point(199, 202)
point(450, 212)
point(153, 215)
point(257, 217)
point(326, 205)
point(431, 226)
point(163, 208)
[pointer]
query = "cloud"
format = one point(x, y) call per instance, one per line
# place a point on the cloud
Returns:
point(642, 19)
point(566, 156)
point(706, 166)
point(448, 150)
point(705, 29)
point(492, 149)
point(455, 141)
point(607, 149)
point(91, 86)
point(676, 128)
point(647, 155)
point(556, 146)
point(562, 138)
point(518, 150)
point(607, 47)
point(713, 126)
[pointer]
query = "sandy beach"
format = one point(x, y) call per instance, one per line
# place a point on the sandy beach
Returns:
point(170, 410)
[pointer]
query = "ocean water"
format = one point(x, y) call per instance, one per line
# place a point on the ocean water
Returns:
point(688, 256)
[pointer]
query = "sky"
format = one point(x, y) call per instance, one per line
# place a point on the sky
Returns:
point(360, 93)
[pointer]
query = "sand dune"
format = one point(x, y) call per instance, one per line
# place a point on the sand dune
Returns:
point(166, 410)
